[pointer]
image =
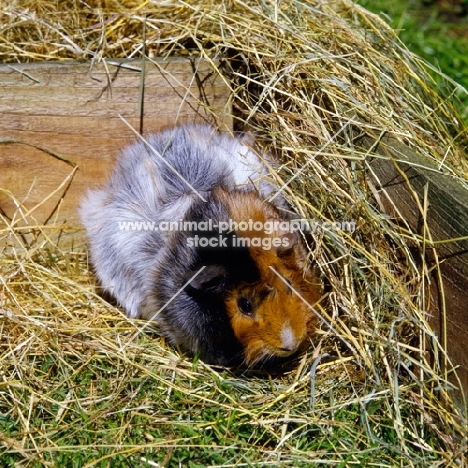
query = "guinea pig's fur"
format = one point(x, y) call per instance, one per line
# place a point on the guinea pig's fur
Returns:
point(233, 303)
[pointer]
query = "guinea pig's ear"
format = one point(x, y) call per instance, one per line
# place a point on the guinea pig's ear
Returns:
point(211, 279)
point(292, 249)
point(288, 243)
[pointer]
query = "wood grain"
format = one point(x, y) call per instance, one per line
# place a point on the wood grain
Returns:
point(51, 113)
point(403, 176)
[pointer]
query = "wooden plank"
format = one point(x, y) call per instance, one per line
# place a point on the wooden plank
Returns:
point(401, 174)
point(73, 110)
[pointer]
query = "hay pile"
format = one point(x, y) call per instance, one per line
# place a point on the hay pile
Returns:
point(81, 387)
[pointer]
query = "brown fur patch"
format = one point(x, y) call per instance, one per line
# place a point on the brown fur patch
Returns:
point(282, 317)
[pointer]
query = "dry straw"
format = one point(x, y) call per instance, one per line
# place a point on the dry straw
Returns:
point(78, 386)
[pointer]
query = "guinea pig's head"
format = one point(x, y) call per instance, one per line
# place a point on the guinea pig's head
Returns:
point(274, 315)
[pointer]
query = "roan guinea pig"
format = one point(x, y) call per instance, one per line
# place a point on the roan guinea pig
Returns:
point(182, 234)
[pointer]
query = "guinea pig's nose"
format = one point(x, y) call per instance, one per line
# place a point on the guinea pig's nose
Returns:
point(288, 340)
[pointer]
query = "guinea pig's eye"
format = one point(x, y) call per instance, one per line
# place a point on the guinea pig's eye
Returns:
point(245, 306)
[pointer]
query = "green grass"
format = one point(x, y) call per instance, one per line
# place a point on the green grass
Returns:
point(425, 32)
point(197, 418)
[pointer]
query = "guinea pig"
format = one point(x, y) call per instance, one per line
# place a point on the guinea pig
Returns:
point(183, 233)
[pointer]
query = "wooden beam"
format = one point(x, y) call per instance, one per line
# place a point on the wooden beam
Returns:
point(55, 116)
point(402, 176)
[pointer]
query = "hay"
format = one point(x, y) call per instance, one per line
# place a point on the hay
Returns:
point(80, 387)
